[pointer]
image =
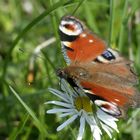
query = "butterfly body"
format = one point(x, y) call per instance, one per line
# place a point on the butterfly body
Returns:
point(101, 72)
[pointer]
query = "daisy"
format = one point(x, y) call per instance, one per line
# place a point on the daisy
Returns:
point(76, 105)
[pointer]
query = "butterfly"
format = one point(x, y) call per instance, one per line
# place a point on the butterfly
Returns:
point(104, 75)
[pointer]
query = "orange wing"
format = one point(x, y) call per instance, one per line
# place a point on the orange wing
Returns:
point(78, 44)
point(103, 72)
point(113, 82)
point(85, 48)
point(111, 95)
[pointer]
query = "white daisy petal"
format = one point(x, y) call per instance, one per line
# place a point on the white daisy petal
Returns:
point(93, 126)
point(58, 94)
point(63, 84)
point(107, 129)
point(60, 104)
point(90, 120)
point(67, 114)
point(58, 110)
point(108, 119)
point(106, 116)
point(96, 132)
point(65, 87)
point(82, 128)
point(112, 125)
point(69, 107)
point(69, 93)
point(67, 122)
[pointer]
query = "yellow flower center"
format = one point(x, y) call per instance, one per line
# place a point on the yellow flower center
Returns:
point(83, 103)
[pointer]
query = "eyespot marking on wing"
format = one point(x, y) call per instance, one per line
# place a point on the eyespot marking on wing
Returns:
point(110, 108)
point(67, 37)
point(108, 55)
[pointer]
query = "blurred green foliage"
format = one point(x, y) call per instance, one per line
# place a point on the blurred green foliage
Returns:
point(26, 24)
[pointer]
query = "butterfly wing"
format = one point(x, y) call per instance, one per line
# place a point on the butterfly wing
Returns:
point(85, 48)
point(110, 85)
point(113, 83)
point(78, 44)
point(112, 101)
point(103, 73)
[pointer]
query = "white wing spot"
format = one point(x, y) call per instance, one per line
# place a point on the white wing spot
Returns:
point(102, 59)
point(81, 73)
point(66, 43)
point(83, 35)
point(117, 100)
point(88, 91)
point(90, 41)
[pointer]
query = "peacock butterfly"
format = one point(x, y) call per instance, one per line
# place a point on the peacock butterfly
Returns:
point(104, 75)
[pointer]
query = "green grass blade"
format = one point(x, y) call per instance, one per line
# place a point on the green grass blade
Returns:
point(79, 4)
point(112, 10)
point(123, 24)
point(38, 124)
point(17, 131)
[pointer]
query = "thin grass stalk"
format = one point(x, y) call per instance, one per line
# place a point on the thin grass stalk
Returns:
point(78, 6)
point(19, 128)
point(112, 13)
point(5, 105)
point(123, 24)
point(37, 122)
point(90, 17)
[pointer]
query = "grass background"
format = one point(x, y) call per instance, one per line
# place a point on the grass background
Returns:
point(26, 24)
